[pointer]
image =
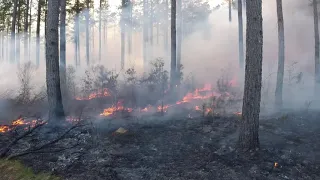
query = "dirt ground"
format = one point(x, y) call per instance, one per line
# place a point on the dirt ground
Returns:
point(191, 148)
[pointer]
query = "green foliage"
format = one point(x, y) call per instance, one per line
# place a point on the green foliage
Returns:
point(16, 171)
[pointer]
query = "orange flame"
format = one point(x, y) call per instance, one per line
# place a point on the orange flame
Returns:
point(104, 93)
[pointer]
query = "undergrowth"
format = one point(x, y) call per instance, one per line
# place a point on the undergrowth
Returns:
point(14, 170)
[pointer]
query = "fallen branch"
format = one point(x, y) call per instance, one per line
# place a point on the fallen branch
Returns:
point(48, 144)
point(14, 142)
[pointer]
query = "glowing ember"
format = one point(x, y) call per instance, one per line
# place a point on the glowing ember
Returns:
point(163, 108)
point(4, 128)
point(17, 122)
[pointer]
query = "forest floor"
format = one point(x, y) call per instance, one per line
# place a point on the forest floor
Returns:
point(194, 148)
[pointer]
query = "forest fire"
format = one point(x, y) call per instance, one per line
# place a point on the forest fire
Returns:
point(204, 93)
point(19, 122)
point(101, 93)
point(111, 110)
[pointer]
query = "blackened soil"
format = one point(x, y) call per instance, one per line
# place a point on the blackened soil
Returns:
point(196, 148)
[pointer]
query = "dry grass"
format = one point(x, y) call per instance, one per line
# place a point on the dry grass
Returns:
point(13, 170)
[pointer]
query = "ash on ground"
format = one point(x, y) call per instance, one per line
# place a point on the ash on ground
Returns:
point(186, 148)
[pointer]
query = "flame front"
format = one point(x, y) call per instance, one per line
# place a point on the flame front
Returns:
point(101, 93)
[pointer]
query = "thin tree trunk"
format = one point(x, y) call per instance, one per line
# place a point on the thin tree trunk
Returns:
point(2, 46)
point(230, 15)
point(18, 34)
point(151, 18)
point(87, 34)
point(316, 46)
point(173, 44)
point(93, 32)
point(240, 31)
point(56, 112)
point(13, 32)
point(249, 127)
point(45, 16)
point(281, 56)
point(30, 27)
point(145, 34)
point(179, 32)
point(63, 45)
point(123, 31)
point(100, 26)
point(26, 23)
point(166, 31)
point(38, 34)
point(130, 6)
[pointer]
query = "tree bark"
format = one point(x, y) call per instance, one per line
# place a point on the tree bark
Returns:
point(45, 16)
point(249, 128)
point(100, 26)
point(145, 35)
point(316, 46)
point(230, 15)
point(26, 24)
point(173, 44)
point(123, 30)
point(18, 34)
point(129, 31)
point(38, 34)
point(240, 30)
point(56, 112)
point(30, 27)
point(87, 33)
point(13, 31)
point(281, 56)
point(63, 72)
point(179, 32)
point(166, 24)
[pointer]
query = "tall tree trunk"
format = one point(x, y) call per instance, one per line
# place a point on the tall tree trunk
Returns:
point(30, 27)
point(240, 30)
point(130, 6)
point(56, 112)
point(26, 24)
point(100, 26)
point(13, 31)
point(249, 128)
point(63, 72)
point(76, 34)
point(38, 34)
point(151, 19)
point(166, 24)
point(18, 34)
point(279, 86)
point(145, 34)
point(316, 46)
point(45, 16)
point(173, 73)
point(2, 46)
point(230, 6)
point(179, 32)
point(87, 33)
point(76, 39)
point(123, 31)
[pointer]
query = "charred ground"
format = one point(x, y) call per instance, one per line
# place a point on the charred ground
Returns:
point(180, 148)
